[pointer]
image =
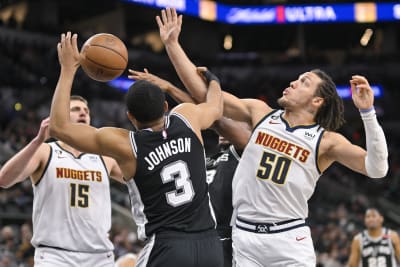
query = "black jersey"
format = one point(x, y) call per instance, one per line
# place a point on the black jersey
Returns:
point(169, 190)
point(377, 251)
point(220, 171)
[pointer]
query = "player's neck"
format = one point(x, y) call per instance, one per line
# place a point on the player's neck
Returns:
point(69, 148)
point(375, 232)
point(156, 125)
point(298, 118)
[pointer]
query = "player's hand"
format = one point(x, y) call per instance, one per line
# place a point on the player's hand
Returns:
point(361, 92)
point(68, 53)
point(43, 133)
point(207, 75)
point(147, 76)
point(170, 25)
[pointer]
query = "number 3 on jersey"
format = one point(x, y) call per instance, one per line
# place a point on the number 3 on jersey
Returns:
point(274, 168)
point(178, 172)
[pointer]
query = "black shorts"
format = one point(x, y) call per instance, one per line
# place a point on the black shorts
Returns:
point(227, 247)
point(175, 249)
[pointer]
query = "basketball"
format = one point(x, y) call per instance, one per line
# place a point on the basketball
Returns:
point(104, 57)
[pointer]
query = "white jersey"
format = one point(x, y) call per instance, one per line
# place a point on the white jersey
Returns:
point(278, 171)
point(72, 206)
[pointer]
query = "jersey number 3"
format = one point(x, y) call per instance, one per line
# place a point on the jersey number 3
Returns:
point(178, 172)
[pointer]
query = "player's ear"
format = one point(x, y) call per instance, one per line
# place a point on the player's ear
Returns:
point(318, 101)
point(131, 117)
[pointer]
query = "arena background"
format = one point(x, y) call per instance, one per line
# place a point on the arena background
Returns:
point(252, 60)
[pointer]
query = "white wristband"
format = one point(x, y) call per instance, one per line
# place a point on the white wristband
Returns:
point(376, 163)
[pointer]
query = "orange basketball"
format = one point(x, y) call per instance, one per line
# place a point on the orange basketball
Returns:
point(104, 57)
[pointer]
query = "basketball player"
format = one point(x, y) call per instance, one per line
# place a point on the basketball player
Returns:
point(162, 162)
point(287, 152)
point(72, 205)
point(221, 166)
point(375, 246)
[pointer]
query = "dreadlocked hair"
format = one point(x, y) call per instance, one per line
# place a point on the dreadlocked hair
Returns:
point(331, 114)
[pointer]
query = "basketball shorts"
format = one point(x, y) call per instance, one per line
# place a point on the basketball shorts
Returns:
point(172, 249)
point(257, 245)
point(50, 257)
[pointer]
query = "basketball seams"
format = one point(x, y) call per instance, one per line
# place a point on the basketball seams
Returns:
point(101, 65)
point(109, 48)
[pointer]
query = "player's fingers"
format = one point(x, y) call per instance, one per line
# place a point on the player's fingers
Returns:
point(59, 48)
point(174, 14)
point(75, 41)
point(164, 16)
point(146, 70)
point(159, 22)
point(62, 39)
point(68, 40)
point(169, 14)
point(353, 87)
point(201, 69)
point(359, 79)
point(363, 88)
point(180, 20)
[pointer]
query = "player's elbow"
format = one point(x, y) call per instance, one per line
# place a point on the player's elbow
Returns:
point(3, 181)
point(55, 130)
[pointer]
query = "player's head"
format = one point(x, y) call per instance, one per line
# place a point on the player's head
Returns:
point(373, 219)
point(79, 110)
point(330, 114)
point(145, 102)
point(315, 92)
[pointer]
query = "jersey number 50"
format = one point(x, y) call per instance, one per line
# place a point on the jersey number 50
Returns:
point(274, 168)
point(178, 172)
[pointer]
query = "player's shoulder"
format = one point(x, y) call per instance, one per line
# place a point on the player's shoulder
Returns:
point(44, 151)
point(183, 108)
point(393, 234)
point(358, 237)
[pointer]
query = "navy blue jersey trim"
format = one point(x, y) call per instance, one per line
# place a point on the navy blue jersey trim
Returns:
point(317, 151)
point(47, 165)
point(263, 119)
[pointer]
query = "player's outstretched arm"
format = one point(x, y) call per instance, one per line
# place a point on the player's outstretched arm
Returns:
point(27, 161)
point(354, 258)
point(78, 135)
point(236, 132)
point(372, 162)
point(170, 24)
point(203, 115)
point(376, 160)
point(177, 94)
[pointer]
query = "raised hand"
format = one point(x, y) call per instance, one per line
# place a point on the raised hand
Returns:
point(147, 76)
point(68, 53)
point(361, 92)
point(43, 133)
point(170, 25)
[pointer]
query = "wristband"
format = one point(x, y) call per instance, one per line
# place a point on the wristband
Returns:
point(210, 77)
point(367, 110)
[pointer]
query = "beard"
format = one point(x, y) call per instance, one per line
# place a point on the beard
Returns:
point(282, 102)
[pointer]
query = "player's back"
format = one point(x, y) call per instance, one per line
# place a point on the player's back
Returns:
point(169, 190)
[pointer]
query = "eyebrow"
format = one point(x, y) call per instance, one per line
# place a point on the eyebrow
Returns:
point(305, 77)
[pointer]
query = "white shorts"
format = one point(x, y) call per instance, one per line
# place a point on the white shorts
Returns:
point(288, 248)
point(50, 257)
